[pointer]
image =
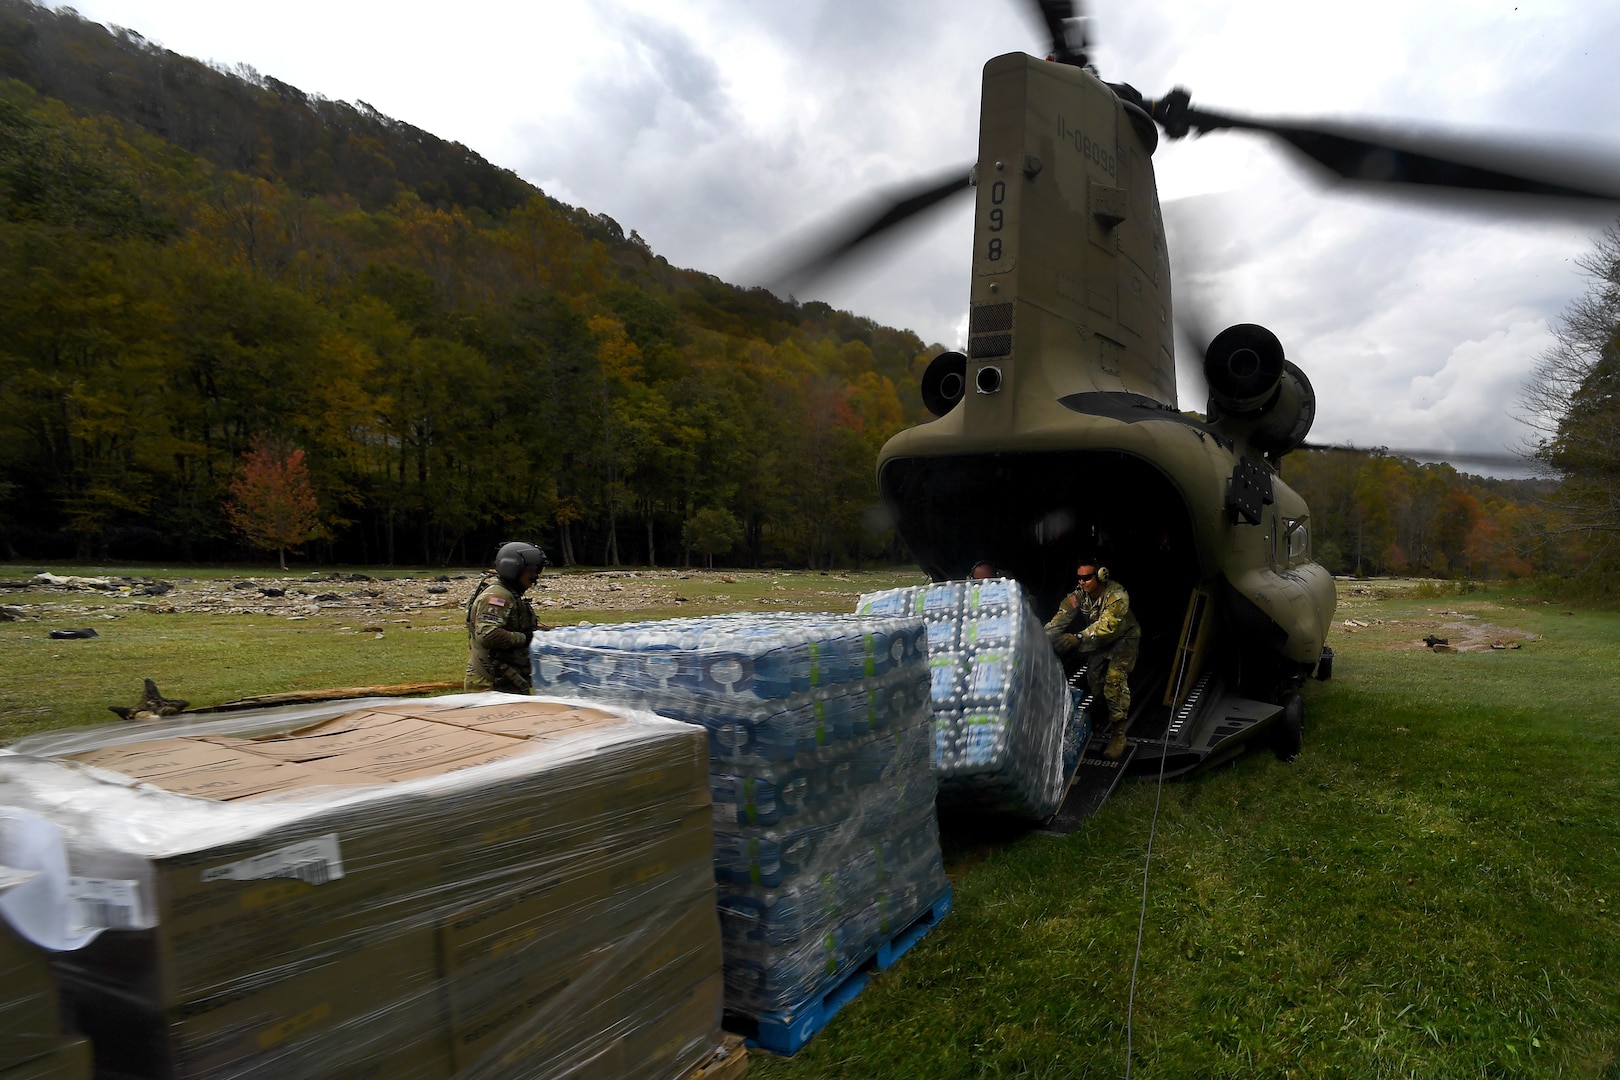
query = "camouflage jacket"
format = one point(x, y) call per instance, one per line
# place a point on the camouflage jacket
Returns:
point(499, 623)
point(1101, 623)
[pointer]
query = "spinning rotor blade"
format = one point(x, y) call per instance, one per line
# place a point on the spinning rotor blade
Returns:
point(1367, 153)
point(854, 231)
point(1471, 457)
point(1062, 19)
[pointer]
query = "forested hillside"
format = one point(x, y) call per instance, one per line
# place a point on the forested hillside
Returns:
point(197, 265)
point(1373, 513)
point(461, 359)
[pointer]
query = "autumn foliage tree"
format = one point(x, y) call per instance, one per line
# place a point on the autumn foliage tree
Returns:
point(272, 502)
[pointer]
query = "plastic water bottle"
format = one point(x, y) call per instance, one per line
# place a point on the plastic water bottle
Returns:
point(945, 689)
point(989, 677)
point(750, 800)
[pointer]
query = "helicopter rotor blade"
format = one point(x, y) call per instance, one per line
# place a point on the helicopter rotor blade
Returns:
point(1372, 154)
point(1064, 21)
point(855, 230)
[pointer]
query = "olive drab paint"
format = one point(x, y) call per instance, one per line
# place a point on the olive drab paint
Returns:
point(1059, 159)
point(1071, 377)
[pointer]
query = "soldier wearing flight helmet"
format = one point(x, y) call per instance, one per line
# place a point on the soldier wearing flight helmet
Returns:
point(501, 623)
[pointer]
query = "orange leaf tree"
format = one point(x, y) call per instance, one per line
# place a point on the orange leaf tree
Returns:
point(272, 503)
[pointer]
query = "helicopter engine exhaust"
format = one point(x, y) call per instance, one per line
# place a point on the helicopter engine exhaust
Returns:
point(1252, 386)
point(1243, 366)
point(944, 383)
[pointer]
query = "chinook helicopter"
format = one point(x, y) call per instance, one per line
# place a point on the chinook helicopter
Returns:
point(1058, 432)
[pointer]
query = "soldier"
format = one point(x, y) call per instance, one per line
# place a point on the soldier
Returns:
point(500, 623)
point(1095, 621)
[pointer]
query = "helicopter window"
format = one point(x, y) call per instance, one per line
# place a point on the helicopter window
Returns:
point(1299, 539)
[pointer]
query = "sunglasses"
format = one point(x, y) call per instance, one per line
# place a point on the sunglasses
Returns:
point(1087, 577)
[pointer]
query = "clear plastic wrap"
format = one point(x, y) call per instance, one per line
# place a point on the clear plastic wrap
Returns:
point(32, 1042)
point(826, 843)
point(1000, 703)
point(472, 886)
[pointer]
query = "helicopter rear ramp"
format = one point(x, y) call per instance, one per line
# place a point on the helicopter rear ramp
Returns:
point(1094, 779)
point(1211, 726)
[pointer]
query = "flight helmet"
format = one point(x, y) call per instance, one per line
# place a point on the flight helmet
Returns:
point(513, 558)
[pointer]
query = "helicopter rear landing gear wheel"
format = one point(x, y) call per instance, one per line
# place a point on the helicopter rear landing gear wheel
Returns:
point(1288, 734)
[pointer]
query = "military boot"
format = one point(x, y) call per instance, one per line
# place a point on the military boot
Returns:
point(1116, 744)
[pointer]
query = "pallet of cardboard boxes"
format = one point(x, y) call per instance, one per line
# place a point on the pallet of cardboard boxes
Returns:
point(474, 886)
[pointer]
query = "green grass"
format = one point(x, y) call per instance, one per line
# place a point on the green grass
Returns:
point(1425, 892)
point(211, 658)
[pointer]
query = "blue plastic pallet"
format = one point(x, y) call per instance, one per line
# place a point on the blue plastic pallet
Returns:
point(786, 1031)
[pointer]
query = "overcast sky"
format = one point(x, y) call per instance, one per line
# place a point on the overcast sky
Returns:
point(718, 127)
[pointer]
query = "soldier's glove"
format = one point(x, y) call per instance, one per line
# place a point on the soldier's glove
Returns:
point(1067, 642)
point(528, 638)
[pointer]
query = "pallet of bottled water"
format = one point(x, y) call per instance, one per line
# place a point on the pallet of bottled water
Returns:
point(999, 700)
point(826, 844)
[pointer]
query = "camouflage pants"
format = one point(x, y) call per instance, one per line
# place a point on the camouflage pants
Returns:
point(492, 673)
point(1108, 674)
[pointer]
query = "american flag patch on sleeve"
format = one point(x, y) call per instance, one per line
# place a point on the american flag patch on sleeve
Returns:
point(496, 601)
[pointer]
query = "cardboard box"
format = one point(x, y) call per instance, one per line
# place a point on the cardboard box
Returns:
point(417, 915)
point(659, 961)
point(337, 1017)
point(231, 913)
point(669, 1043)
point(216, 934)
point(536, 973)
point(29, 1016)
point(653, 867)
point(68, 1059)
point(531, 1012)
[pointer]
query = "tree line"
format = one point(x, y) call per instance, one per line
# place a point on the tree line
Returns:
point(1374, 513)
point(453, 378)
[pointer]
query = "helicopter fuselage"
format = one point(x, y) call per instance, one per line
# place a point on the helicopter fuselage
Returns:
point(1062, 436)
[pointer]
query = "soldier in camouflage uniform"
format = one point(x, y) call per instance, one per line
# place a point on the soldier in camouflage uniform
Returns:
point(1094, 623)
point(501, 623)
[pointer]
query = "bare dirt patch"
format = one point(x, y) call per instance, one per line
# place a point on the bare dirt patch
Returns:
point(361, 596)
point(1469, 633)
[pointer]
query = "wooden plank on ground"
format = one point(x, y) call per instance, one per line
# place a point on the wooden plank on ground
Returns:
point(310, 697)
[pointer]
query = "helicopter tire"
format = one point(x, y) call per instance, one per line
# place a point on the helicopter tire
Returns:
point(1288, 734)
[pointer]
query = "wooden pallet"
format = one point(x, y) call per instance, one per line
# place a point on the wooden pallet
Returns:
point(784, 1033)
point(728, 1062)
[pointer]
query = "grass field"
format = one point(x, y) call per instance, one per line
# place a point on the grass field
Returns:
point(212, 656)
point(1425, 892)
